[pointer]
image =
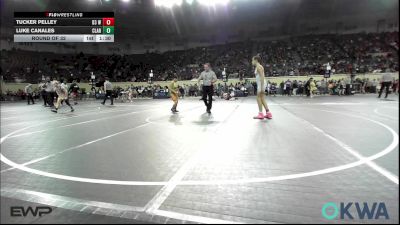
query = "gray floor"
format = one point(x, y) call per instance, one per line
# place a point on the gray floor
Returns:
point(139, 162)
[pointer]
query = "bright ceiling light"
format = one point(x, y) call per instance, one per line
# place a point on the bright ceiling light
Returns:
point(213, 2)
point(171, 3)
point(167, 3)
point(125, 0)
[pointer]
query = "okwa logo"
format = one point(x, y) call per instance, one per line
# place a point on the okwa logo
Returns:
point(363, 210)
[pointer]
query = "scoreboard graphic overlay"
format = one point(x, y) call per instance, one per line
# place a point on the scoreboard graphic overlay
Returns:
point(64, 26)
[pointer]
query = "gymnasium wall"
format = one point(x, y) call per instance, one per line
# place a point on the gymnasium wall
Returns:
point(15, 86)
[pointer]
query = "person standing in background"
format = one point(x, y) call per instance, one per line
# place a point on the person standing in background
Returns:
point(182, 92)
point(342, 87)
point(29, 92)
point(282, 88)
point(323, 87)
point(363, 86)
point(300, 90)
point(295, 87)
point(288, 86)
point(50, 93)
point(307, 87)
point(42, 87)
point(385, 84)
point(268, 88)
point(209, 78)
point(374, 86)
point(108, 88)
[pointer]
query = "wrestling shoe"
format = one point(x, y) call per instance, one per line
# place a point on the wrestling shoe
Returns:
point(268, 115)
point(260, 116)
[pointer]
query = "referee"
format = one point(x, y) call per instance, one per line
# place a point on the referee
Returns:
point(209, 78)
point(29, 94)
point(386, 83)
point(108, 88)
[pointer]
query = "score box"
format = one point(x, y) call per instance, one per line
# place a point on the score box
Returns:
point(108, 22)
point(64, 26)
point(108, 25)
point(108, 30)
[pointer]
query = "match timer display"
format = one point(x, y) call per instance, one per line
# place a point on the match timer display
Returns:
point(64, 26)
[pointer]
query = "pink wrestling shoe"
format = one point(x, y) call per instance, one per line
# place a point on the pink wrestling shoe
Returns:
point(268, 115)
point(260, 116)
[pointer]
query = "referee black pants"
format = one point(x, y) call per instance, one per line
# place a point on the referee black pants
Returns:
point(208, 91)
point(109, 94)
point(30, 98)
point(44, 97)
point(50, 98)
point(385, 85)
